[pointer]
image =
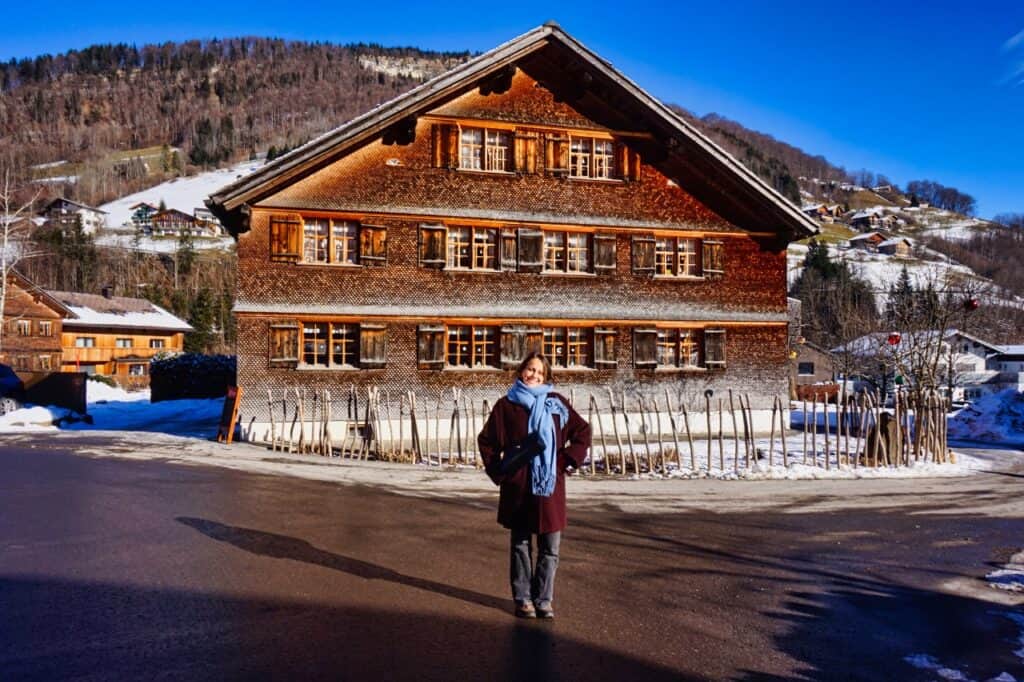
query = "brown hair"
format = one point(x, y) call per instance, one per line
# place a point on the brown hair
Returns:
point(548, 379)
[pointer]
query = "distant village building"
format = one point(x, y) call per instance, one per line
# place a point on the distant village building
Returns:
point(173, 223)
point(868, 241)
point(66, 214)
point(207, 223)
point(142, 216)
point(531, 199)
point(116, 336)
point(897, 246)
point(32, 329)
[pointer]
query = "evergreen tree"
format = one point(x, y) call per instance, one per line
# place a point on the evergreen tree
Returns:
point(202, 316)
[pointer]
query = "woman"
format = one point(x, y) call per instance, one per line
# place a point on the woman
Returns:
point(532, 436)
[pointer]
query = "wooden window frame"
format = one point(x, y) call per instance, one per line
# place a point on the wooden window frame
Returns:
point(684, 346)
point(44, 363)
point(86, 342)
point(291, 336)
point(286, 238)
point(158, 344)
point(568, 347)
point(599, 165)
point(45, 328)
point(23, 327)
point(486, 349)
point(671, 259)
point(278, 338)
point(560, 255)
point(494, 151)
point(119, 339)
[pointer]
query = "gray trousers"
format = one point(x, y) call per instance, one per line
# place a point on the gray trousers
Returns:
point(530, 583)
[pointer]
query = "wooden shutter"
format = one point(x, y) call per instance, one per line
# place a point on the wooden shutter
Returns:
point(604, 253)
point(509, 252)
point(432, 246)
point(284, 343)
point(525, 152)
point(451, 146)
point(373, 346)
point(531, 250)
point(556, 154)
point(604, 348)
point(714, 348)
point(430, 346)
point(645, 348)
point(516, 342)
point(632, 172)
point(643, 254)
point(437, 146)
point(712, 258)
point(285, 238)
point(373, 245)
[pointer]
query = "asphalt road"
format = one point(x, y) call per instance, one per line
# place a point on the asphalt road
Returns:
point(113, 569)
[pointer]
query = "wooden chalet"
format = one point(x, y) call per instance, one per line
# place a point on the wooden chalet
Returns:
point(116, 336)
point(33, 322)
point(66, 214)
point(896, 246)
point(531, 198)
point(172, 222)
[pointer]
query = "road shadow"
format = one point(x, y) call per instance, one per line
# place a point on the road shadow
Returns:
point(59, 629)
point(286, 547)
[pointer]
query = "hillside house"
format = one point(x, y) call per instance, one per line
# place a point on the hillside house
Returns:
point(868, 241)
point(207, 223)
point(897, 246)
point(812, 365)
point(173, 223)
point(32, 320)
point(142, 216)
point(116, 336)
point(66, 214)
point(531, 198)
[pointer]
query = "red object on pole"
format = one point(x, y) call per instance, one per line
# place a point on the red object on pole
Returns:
point(894, 338)
point(971, 304)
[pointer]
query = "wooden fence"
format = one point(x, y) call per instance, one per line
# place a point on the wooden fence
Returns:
point(638, 433)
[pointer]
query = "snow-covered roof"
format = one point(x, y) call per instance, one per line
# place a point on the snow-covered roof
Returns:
point(1015, 349)
point(76, 203)
point(94, 310)
point(893, 242)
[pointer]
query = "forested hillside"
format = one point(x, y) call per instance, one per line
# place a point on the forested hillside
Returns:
point(214, 100)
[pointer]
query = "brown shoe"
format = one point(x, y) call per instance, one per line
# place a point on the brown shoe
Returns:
point(545, 611)
point(525, 610)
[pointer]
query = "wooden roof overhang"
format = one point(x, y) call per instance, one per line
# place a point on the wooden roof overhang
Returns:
point(40, 295)
point(575, 75)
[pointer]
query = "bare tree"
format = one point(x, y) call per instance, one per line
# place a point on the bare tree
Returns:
point(15, 228)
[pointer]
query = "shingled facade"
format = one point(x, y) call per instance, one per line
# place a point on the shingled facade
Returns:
point(532, 198)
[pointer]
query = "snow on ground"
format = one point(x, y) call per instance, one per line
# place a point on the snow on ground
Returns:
point(120, 240)
point(1011, 576)
point(184, 194)
point(996, 418)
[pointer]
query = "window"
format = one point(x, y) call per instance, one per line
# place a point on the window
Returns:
point(136, 370)
point(805, 368)
point(22, 362)
point(123, 343)
point(566, 251)
point(682, 348)
point(675, 257)
point(567, 347)
point(45, 328)
point(591, 158)
point(24, 327)
point(666, 256)
point(472, 248)
point(156, 343)
point(472, 346)
point(43, 363)
point(485, 149)
point(327, 345)
point(323, 241)
point(85, 342)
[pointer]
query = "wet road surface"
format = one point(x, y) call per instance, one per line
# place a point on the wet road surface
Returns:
point(114, 569)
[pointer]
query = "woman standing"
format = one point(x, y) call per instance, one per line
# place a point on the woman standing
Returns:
point(532, 436)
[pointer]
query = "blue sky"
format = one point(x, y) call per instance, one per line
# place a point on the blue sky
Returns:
point(912, 90)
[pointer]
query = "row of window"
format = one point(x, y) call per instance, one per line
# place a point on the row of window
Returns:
point(90, 342)
point(37, 363)
point(503, 150)
point(24, 327)
point(492, 249)
point(345, 345)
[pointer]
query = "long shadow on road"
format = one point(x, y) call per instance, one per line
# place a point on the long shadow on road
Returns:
point(76, 630)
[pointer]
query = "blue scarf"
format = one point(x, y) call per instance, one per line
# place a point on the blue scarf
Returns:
point(542, 408)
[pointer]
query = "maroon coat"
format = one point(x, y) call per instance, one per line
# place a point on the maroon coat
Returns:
point(517, 505)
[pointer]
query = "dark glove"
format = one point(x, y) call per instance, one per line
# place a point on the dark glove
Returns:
point(519, 454)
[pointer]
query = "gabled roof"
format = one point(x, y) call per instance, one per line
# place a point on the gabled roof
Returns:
point(40, 294)
point(94, 310)
point(61, 200)
point(593, 87)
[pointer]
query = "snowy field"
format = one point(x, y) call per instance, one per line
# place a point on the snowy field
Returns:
point(184, 194)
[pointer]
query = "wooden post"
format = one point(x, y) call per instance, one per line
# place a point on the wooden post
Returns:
point(736, 433)
point(804, 419)
point(644, 426)
point(675, 434)
point(783, 428)
point(721, 441)
point(771, 436)
point(814, 428)
point(615, 428)
point(590, 449)
point(707, 415)
point(629, 436)
point(748, 425)
point(689, 435)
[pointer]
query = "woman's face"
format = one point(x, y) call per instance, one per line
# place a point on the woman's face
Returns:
point(533, 373)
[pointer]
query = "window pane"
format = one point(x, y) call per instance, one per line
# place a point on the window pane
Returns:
point(471, 143)
point(579, 157)
point(578, 350)
point(458, 247)
point(554, 251)
point(554, 346)
point(345, 233)
point(343, 345)
point(484, 347)
point(604, 159)
point(665, 256)
point(315, 241)
point(459, 346)
point(314, 343)
point(497, 150)
point(688, 257)
point(667, 348)
point(485, 248)
point(578, 257)
point(689, 349)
